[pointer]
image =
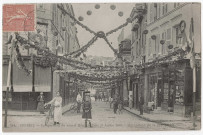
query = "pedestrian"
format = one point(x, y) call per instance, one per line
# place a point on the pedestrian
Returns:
point(131, 101)
point(141, 103)
point(56, 102)
point(40, 105)
point(87, 106)
point(103, 97)
point(79, 101)
point(100, 97)
point(120, 106)
point(115, 105)
point(110, 101)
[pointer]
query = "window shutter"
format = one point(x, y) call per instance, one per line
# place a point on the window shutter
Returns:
point(169, 34)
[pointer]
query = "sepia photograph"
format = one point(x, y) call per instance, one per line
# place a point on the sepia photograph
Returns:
point(101, 67)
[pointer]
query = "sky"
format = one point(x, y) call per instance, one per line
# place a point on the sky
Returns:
point(102, 19)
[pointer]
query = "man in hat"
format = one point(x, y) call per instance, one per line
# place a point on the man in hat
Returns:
point(40, 105)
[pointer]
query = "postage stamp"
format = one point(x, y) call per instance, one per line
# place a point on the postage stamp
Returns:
point(18, 17)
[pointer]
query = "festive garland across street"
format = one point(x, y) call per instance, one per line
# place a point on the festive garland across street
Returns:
point(19, 61)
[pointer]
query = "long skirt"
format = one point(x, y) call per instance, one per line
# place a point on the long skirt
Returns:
point(40, 106)
point(57, 114)
point(87, 115)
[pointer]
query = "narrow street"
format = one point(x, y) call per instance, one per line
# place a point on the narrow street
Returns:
point(103, 120)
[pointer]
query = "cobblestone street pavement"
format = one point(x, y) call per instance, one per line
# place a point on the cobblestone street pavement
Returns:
point(103, 120)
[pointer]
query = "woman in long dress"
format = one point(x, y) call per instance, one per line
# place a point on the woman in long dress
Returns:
point(40, 105)
point(57, 104)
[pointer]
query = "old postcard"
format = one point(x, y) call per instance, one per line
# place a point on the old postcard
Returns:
point(75, 67)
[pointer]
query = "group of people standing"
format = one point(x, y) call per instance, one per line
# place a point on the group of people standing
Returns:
point(101, 97)
point(56, 103)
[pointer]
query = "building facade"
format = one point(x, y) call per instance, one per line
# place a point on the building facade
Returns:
point(59, 35)
point(159, 30)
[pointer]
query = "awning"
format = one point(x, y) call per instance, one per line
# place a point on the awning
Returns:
point(42, 88)
point(28, 88)
point(20, 88)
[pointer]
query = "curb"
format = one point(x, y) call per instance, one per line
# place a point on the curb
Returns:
point(155, 121)
point(23, 115)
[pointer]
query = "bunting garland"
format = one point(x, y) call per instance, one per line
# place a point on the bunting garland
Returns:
point(19, 61)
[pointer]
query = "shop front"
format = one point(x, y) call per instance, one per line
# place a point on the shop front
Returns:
point(154, 87)
point(177, 90)
point(23, 97)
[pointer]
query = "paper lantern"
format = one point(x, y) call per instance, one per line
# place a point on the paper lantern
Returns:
point(80, 18)
point(170, 46)
point(97, 6)
point(145, 32)
point(89, 12)
point(153, 37)
point(113, 7)
point(120, 14)
point(55, 33)
point(162, 41)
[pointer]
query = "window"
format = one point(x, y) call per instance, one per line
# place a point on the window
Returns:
point(169, 34)
point(164, 45)
point(176, 32)
point(164, 8)
point(149, 49)
point(155, 11)
point(151, 13)
point(176, 5)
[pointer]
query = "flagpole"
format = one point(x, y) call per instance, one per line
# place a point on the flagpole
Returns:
point(193, 66)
